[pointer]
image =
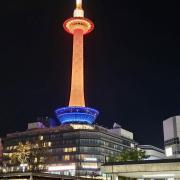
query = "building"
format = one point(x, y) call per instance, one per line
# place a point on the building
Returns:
point(171, 128)
point(153, 152)
point(165, 169)
point(71, 149)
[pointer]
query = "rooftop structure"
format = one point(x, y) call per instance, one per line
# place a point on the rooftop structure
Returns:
point(153, 152)
point(117, 129)
point(78, 26)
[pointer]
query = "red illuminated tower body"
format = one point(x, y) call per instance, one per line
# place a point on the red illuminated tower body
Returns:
point(78, 26)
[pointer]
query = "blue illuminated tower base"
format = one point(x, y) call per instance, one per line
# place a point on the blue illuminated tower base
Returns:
point(79, 115)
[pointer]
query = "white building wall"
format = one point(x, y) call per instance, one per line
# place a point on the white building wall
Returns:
point(171, 128)
point(168, 128)
point(154, 154)
point(178, 125)
point(122, 132)
point(127, 134)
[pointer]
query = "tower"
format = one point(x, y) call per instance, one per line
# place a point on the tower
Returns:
point(77, 112)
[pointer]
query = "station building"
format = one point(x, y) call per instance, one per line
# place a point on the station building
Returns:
point(69, 149)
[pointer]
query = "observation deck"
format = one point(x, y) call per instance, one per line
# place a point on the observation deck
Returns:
point(79, 115)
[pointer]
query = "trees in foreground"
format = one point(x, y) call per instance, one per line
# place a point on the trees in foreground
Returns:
point(129, 155)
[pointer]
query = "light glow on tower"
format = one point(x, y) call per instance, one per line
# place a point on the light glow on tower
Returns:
point(78, 26)
point(77, 81)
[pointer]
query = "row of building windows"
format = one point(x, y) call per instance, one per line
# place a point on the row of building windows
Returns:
point(71, 135)
point(56, 158)
point(70, 138)
point(35, 145)
point(80, 142)
point(71, 149)
point(97, 142)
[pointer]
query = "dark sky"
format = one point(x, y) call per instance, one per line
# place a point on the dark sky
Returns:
point(132, 66)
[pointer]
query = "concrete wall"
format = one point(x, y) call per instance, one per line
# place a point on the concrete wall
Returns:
point(139, 170)
point(178, 126)
point(168, 128)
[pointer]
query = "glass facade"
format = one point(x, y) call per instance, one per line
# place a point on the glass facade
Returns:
point(69, 149)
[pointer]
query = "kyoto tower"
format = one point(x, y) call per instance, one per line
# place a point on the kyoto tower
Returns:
point(77, 112)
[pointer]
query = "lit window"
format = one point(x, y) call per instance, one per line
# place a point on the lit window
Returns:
point(12, 169)
point(61, 167)
point(40, 167)
point(90, 159)
point(89, 165)
point(49, 144)
point(41, 138)
point(72, 149)
point(66, 158)
point(169, 151)
point(36, 145)
point(10, 155)
point(132, 145)
point(41, 159)
point(81, 126)
point(35, 160)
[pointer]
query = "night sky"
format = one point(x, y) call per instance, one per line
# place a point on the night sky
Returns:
point(132, 63)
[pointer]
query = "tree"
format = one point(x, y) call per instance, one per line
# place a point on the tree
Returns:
point(129, 155)
point(28, 155)
point(22, 153)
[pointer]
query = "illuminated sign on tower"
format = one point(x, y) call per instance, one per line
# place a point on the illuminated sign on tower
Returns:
point(78, 26)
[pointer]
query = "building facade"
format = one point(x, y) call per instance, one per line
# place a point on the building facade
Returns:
point(153, 152)
point(72, 149)
point(171, 128)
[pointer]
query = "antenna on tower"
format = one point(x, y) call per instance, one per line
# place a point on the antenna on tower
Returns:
point(78, 12)
point(78, 4)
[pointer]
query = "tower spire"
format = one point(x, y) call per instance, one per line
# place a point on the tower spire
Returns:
point(78, 12)
point(78, 4)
